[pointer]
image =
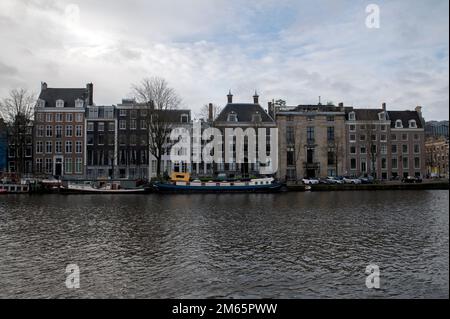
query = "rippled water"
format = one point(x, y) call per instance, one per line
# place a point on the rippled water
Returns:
point(293, 245)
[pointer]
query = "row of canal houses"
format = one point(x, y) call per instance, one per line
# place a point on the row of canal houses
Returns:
point(74, 138)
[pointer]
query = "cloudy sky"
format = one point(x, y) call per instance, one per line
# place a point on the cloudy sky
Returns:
point(291, 49)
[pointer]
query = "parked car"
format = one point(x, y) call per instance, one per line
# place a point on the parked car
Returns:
point(332, 180)
point(339, 179)
point(310, 181)
point(352, 180)
point(366, 180)
point(412, 179)
point(324, 181)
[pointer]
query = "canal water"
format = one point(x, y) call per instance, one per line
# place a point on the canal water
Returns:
point(292, 245)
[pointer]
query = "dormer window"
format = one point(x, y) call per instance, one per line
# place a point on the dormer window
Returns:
point(232, 117)
point(382, 116)
point(398, 124)
point(41, 103)
point(79, 103)
point(256, 117)
point(352, 116)
point(59, 103)
point(184, 118)
point(412, 124)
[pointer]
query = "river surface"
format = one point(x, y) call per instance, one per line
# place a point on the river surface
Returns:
point(290, 245)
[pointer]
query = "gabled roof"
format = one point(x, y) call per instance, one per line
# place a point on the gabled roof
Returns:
point(244, 112)
point(69, 96)
point(405, 117)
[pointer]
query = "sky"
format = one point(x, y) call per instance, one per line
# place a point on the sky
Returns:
point(285, 49)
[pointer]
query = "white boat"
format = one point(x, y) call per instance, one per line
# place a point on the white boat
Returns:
point(106, 188)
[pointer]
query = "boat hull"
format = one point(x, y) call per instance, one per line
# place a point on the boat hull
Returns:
point(63, 190)
point(170, 188)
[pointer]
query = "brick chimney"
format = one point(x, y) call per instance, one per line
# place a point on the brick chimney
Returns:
point(383, 106)
point(256, 98)
point(43, 86)
point(210, 112)
point(90, 93)
point(230, 97)
point(418, 109)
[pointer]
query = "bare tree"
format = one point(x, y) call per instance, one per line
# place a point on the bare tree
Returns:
point(371, 148)
point(204, 112)
point(159, 99)
point(18, 110)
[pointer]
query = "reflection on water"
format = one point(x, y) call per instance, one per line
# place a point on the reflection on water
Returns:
point(294, 245)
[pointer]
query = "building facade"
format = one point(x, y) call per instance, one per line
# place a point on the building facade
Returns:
point(436, 129)
point(242, 116)
point(437, 160)
point(59, 134)
point(311, 141)
point(20, 147)
point(3, 146)
point(385, 144)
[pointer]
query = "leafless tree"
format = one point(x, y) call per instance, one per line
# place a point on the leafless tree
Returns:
point(204, 112)
point(158, 98)
point(371, 148)
point(18, 110)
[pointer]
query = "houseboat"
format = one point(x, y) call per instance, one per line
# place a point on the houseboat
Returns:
point(181, 182)
point(14, 188)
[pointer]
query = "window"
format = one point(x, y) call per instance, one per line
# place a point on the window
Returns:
point(352, 138)
point(416, 137)
point(49, 131)
point(310, 134)
point(78, 165)
point(40, 131)
point(78, 147)
point(58, 147)
point(58, 131)
point(79, 131)
point(373, 149)
point(133, 124)
point(69, 117)
point(90, 126)
point(90, 139)
point(48, 147)
point(39, 165)
point(382, 116)
point(405, 163)
point(112, 126)
point(362, 137)
point(384, 149)
point(133, 139)
point(405, 148)
point(185, 118)
point(40, 117)
point(330, 134)
point(394, 163)
point(68, 147)
point(393, 137)
point(290, 156)
point(352, 149)
point(39, 147)
point(101, 126)
point(330, 118)
point(383, 163)
point(79, 117)
point(41, 103)
point(352, 128)
point(383, 128)
point(383, 138)
point(79, 103)
point(362, 127)
point(143, 112)
point(373, 137)
point(404, 137)
point(48, 117)
point(331, 156)
point(363, 150)
point(353, 164)
point(133, 114)
point(398, 124)
point(290, 139)
point(416, 148)
point(122, 124)
point(69, 130)
point(143, 125)
point(68, 165)
point(374, 127)
point(123, 113)
point(412, 124)
point(310, 118)
point(416, 162)
point(394, 149)
point(101, 139)
point(351, 116)
point(58, 117)
point(232, 117)
point(48, 166)
point(59, 103)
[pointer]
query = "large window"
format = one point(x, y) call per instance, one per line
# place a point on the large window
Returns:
point(353, 164)
point(49, 131)
point(68, 147)
point(330, 134)
point(290, 156)
point(290, 135)
point(310, 134)
point(48, 147)
point(58, 131)
point(69, 130)
point(68, 165)
point(79, 165)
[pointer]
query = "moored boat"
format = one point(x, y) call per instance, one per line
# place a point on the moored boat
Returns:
point(180, 182)
point(104, 188)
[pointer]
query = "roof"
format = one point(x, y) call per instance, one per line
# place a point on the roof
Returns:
point(244, 112)
point(405, 117)
point(365, 114)
point(69, 96)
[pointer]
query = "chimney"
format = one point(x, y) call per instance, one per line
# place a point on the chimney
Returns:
point(43, 86)
point(210, 112)
point(230, 97)
point(384, 107)
point(341, 106)
point(418, 109)
point(256, 98)
point(271, 110)
point(90, 92)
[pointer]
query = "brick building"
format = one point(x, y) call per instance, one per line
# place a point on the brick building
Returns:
point(437, 160)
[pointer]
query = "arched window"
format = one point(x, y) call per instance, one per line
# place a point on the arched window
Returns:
point(232, 117)
point(398, 124)
point(352, 116)
point(59, 103)
point(412, 124)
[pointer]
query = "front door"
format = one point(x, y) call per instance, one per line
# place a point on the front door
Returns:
point(58, 167)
